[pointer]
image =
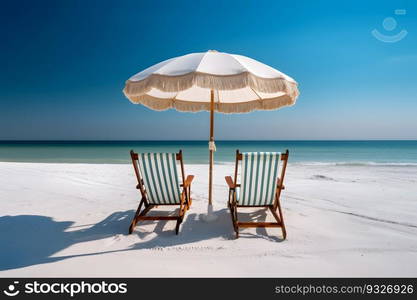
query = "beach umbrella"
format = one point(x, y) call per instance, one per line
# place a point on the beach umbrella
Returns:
point(211, 81)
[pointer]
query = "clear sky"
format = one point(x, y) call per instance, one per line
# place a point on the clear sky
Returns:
point(64, 64)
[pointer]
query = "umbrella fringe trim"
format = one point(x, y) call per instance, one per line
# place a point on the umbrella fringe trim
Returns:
point(215, 82)
point(189, 106)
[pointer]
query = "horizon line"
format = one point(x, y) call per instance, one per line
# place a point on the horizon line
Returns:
point(205, 140)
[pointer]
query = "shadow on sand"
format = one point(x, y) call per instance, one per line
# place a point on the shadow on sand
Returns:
point(31, 239)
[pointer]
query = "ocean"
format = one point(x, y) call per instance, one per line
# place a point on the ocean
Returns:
point(196, 152)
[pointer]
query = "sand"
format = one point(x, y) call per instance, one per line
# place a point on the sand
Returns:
point(61, 220)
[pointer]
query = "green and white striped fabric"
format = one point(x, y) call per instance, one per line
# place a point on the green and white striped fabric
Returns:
point(160, 176)
point(258, 178)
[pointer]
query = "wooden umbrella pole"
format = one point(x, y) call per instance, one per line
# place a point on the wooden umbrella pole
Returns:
point(211, 150)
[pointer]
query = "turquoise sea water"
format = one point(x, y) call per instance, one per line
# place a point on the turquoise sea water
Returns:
point(196, 152)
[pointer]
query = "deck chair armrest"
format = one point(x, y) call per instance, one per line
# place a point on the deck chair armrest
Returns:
point(279, 184)
point(229, 182)
point(188, 181)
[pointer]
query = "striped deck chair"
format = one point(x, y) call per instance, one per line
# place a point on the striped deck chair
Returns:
point(259, 186)
point(158, 184)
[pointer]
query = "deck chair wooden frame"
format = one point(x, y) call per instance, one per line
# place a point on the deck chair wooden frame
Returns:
point(145, 206)
point(275, 209)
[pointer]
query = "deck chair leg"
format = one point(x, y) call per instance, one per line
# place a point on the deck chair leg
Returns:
point(177, 226)
point(233, 214)
point(281, 217)
point(138, 214)
point(181, 213)
point(236, 223)
point(284, 231)
point(188, 198)
point(134, 220)
point(179, 221)
point(147, 209)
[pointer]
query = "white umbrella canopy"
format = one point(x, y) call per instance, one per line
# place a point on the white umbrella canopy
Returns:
point(212, 81)
point(240, 84)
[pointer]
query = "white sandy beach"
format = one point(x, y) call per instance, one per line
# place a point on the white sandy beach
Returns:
point(72, 220)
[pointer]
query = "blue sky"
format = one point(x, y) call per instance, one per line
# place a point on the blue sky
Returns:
point(64, 64)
